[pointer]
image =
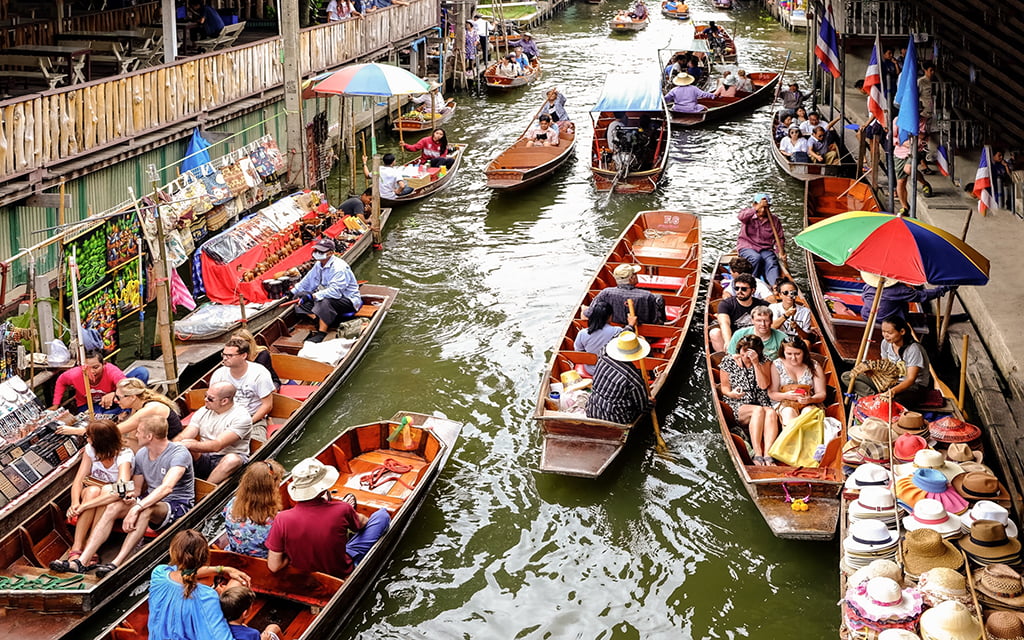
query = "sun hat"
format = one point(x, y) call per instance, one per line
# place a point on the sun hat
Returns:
point(1005, 625)
point(981, 486)
point(881, 601)
point(871, 430)
point(950, 620)
point(950, 429)
point(898, 634)
point(573, 381)
point(873, 502)
point(1000, 583)
point(628, 347)
point(929, 459)
point(924, 549)
point(624, 272)
point(729, 80)
point(869, 475)
point(682, 79)
point(310, 478)
point(930, 514)
point(905, 446)
point(962, 452)
point(988, 510)
point(878, 406)
point(867, 452)
point(868, 536)
point(929, 483)
point(976, 467)
point(942, 583)
point(880, 567)
point(872, 280)
point(989, 544)
point(911, 422)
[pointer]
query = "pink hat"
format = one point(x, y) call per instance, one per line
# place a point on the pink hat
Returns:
point(906, 446)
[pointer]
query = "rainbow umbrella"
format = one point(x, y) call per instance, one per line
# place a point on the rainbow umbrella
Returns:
point(372, 79)
point(895, 247)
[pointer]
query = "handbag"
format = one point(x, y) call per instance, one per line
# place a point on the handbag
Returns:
point(264, 164)
point(786, 388)
point(235, 179)
point(216, 186)
point(798, 442)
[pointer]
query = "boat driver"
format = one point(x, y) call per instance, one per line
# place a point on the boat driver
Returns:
point(329, 291)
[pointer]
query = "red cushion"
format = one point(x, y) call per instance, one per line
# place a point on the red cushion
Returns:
point(297, 391)
point(664, 283)
point(582, 370)
point(273, 427)
point(672, 313)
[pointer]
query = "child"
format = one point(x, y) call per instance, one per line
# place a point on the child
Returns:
point(234, 602)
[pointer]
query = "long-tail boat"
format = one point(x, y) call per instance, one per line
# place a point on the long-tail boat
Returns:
point(417, 120)
point(427, 181)
point(503, 83)
point(809, 170)
point(314, 605)
point(668, 246)
point(625, 23)
point(723, 47)
point(28, 588)
point(718, 109)
point(768, 485)
point(522, 165)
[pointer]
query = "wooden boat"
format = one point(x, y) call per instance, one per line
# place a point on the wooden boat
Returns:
point(673, 10)
point(722, 4)
point(503, 83)
point(721, 108)
point(724, 49)
point(46, 536)
point(580, 446)
point(644, 149)
point(767, 484)
point(623, 23)
point(809, 170)
point(422, 120)
point(315, 605)
point(520, 166)
point(430, 181)
point(685, 45)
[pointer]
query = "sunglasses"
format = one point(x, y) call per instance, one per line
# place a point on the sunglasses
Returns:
point(742, 289)
point(209, 398)
point(791, 294)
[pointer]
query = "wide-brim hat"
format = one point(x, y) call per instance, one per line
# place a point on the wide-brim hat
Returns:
point(941, 584)
point(870, 430)
point(310, 478)
point(873, 280)
point(628, 347)
point(925, 549)
point(729, 80)
point(873, 502)
point(1005, 625)
point(626, 271)
point(866, 536)
point(929, 483)
point(988, 510)
point(981, 486)
point(881, 599)
point(988, 541)
point(962, 452)
point(906, 446)
point(930, 514)
point(929, 459)
point(434, 84)
point(682, 80)
point(950, 430)
point(868, 475)
point(866, 453)
point(950, 620)
point(911, 422)
point(1001, 583)
point(880, 567)
point(879, 406)
point(573, 381)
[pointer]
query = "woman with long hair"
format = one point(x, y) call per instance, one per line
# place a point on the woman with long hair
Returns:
point(900, 347)
point(105, 461)
point(258, 354)
point(598, 333)
point(798, 382)
point(745, 378)
point(434, 149)
point(181, 607)
point(248, 516)
point(141, 402)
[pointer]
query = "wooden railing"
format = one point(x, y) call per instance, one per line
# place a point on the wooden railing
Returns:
point(42, 31)
point(882, 17)
point(43, 129)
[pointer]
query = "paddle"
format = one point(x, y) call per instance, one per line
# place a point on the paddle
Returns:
point(660, 448)
point(783, 259)
point(782, 80)
point(863, 175)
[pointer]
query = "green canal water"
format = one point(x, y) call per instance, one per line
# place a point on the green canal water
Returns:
point(654, 548)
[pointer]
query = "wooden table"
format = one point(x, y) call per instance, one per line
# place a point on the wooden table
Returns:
point(107, 36)
point(68, 53)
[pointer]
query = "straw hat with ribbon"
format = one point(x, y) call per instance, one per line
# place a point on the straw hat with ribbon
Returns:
point(573, 381)
point(881, 602)
point(877, 568)
point(868, 475)
point(950, 620)
point(628, 347)
point(989, 544)
point(930, 514)
point(929, 459)
point(871, 430)
point(1001, 584)
point(924, 549)
point(911, 422)
point(310, 478)
point(962, 452)
point(867, 536)
point(988, 510)
point(682, 80)
point(905, 446)
point(941, 584)
point(981, 486)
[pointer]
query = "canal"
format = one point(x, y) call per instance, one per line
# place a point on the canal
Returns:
point(654, 548)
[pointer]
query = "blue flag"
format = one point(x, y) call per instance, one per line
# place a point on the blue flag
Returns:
point(909, 118)
point(196, 154)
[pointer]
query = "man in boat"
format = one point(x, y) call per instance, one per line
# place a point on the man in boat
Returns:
point(761, 235)
point(544, 134)
point(792, 100)
point(165, 489)
point(639, 11)
point(555, 107)
point(329, 291)
point(813, 121)
point(254, 386)
point(103, 377)
point(529, 46)
point(650, 307)
point(313, 535)
point(359, 205)
point(684, 95)
point(431, 103)
point(391, 183)
point(714, 36)
point(733, 313)
point(619, 393)
point(218, 434)
point(820, 149)
point(521, 60)
point(896, 297)
point(740, 265)
point(611, 135)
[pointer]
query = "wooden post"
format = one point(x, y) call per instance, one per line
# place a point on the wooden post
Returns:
point(351, 143)
point(963, 372)
point(79, 330)
point(375, 213)
point(168, 17)
point(288, 19)
point(862, 351)
point(164, 320)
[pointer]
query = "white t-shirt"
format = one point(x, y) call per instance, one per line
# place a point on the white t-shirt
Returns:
point(790, 146)
point(332, 11)
point(108, 474)
point(802, 318)
point(389, 177)
point(483, 28)
point(251, 388)
point(211, 425)
point(807, 128)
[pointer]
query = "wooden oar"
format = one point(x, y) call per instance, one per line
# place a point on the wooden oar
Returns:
point(660, 448)
point(783, 260)
point(855, 182)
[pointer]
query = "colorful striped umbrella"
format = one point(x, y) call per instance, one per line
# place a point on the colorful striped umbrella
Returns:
point(895, 247)
point(372, 79)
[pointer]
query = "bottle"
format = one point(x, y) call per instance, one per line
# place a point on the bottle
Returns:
point(554, 402)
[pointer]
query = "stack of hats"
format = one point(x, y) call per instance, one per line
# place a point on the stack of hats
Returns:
point(930, 514)
point(928, 483)
point(999, 587)
point(911, 423)
point(950, 620)
point(975, 486)
point(876, 569)
point(924, 549)
point(929, 459)
point(869, 443)
point(987, 543)
point(905, 446)
point(988, 510)
point(941, 584)
point(876, 503)
point(950, 430)
point(881, 604)
point(1004, 625)
point(868, 540)
point(878, 406)
point(866, 475)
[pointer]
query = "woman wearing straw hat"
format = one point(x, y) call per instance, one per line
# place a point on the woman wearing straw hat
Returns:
point(619, 393)
point(684, 95)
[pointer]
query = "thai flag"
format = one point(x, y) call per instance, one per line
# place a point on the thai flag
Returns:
point(873, 86)
point(826, 48)
point(983, 183)
point(943, 159)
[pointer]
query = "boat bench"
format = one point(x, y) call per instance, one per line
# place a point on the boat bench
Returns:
point(292, 343)
point(529, 157)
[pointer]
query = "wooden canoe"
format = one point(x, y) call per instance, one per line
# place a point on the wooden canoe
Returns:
point(653, 156)
point(503, 83)
point(726, 51)
point(765, 484)
point(521, 166)
point(622, 23)
point(721, 108)
point(315, 605)
point(432, 181)
point(675, 14)
point(808, 170)
point(574, 444)
point(46, 536)
point(424, 122)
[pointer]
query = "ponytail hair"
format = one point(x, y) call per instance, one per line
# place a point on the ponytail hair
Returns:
point(189, 552)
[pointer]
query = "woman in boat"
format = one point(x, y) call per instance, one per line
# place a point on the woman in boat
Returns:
point(726, 86)
point(788, 316)
point(743, 82)
point(508, 67)
point(745, 380)
point(798, 383)
point(782, 129)
point(248, 516)
point(141, 402)
point(900, 347)
point(105, 461)
point(800, 117)
point(794, 146)
point(434, 149)
point(595, 338)
point(554, 106)
point(544, 134)
point(684, 96)
point(179, 605)
point(258, 354)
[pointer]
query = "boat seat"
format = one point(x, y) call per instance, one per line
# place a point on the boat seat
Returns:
point(528, 158)
point(672, 313)
point(660, 283)
point(298, 392)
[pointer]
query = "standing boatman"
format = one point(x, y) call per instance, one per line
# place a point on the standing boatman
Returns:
point(762, 239)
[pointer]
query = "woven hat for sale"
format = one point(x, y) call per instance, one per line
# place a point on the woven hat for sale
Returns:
point(950, 620)
point(930, 514)
point(1005, 625)
point(929, 483)
point(878, 406)
point(876, 569)
point(929, 459)
point(1000, 583)
point(924, 549)
point(905, 446)
point(868, 475)
point(941, 584)
point(981, 486)
point(881, 602)
point(911, 423)
point(871, 430)
point(962, 452)
point(988, 543)
point(866, 452)
point(951, 430)
point(988, 510)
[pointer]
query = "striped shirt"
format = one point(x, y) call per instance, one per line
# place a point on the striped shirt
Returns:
point(619, 394)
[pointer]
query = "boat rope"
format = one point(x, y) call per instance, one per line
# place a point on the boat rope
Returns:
point(43, 582)
point(376, 477)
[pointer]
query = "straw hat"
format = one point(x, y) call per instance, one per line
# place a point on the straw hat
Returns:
point(981, 486)
point(869, 475)
point(628, 347)
point(869, 535)
point(962, 452)
point(976, 467)
point(882, 599)
point(930, 514)
point(867, 452)
point(1000, 583)
point(988, 542)
point(682, 80)
point(924, 549)
point(1005, 625)
point(950, 429)
point(877, 568)
point(929, 459)
point(873, 280)
point(988, 510)
point(906, 446)
point(911, 422)
point(941, 584)
point(573, 381)
point(949, 620)
point(310, 478)
point(624, 272)
point(870, 430)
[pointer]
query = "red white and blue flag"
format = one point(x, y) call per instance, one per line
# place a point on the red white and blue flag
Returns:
point(942, 157)
point(826, 48)
point(983, 183)
point(873, 86)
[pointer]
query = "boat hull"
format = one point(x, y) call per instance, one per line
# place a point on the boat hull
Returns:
point(520, 166)
point(719, 109)
point(502, 83)
point(413, 125)
point(433, 187)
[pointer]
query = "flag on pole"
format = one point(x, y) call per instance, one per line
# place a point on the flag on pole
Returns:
point(909, 118)
point(826, 48)
point(873, 86)
point(983, 183)
point(942, 158)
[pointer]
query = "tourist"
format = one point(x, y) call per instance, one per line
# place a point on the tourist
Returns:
point(794, 146)
point(761, 326)
point(745, 379)
point(249, 514)
point(105, 461)
point(218, 435)
point(684, 96)
point(208, 19)
point(743, 82)
point(761, 236)
point(800, 116)
point(639, 10)
point(813, 121)
point(180, 606)
point(693, 68)
point(361, 206)
point(612, 133)
point(483, 30)
point(254, 388)
point(820, 150)
point(529, 46)
point(391, 183)
point(792, 99)
point(554, 106)
point(598, 333)
point(329, 292)
point(472, 41)
point(434, 150)
point(508, 67)
point(649, 306)
point(789, 316)
point(543, 134)
point(521, 60)
point(313, 535)
point(234, 603)
point(733, 313)
point(338, 10)
point(257, 352)
point(798, 382)
point(783, 127)
point(896, 297)
point(141, 402)
point(103, 376)
point(899, 346)
point(726, 86)
point(432, 102)
point(740, 265)
point(619, 393)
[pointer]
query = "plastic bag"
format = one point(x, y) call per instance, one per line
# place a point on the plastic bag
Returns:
point(59, 354)
point(797, 443)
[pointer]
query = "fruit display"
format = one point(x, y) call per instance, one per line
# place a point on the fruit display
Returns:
point(99, 311)
point(91, 248)
point(125, 288)
point(122, 235)
point(276, 248)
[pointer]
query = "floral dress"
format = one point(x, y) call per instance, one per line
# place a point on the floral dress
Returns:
point(245, 536)
point(745, 380)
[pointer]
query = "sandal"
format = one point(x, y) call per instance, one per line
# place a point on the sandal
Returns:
point(103, 569)
point(60, 566)
point(76, 566)
point(351, 499)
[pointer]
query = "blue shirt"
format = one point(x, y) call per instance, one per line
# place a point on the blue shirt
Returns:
point(333, 280)
point(172, 615)
point(242, 632)
point(212, 22)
